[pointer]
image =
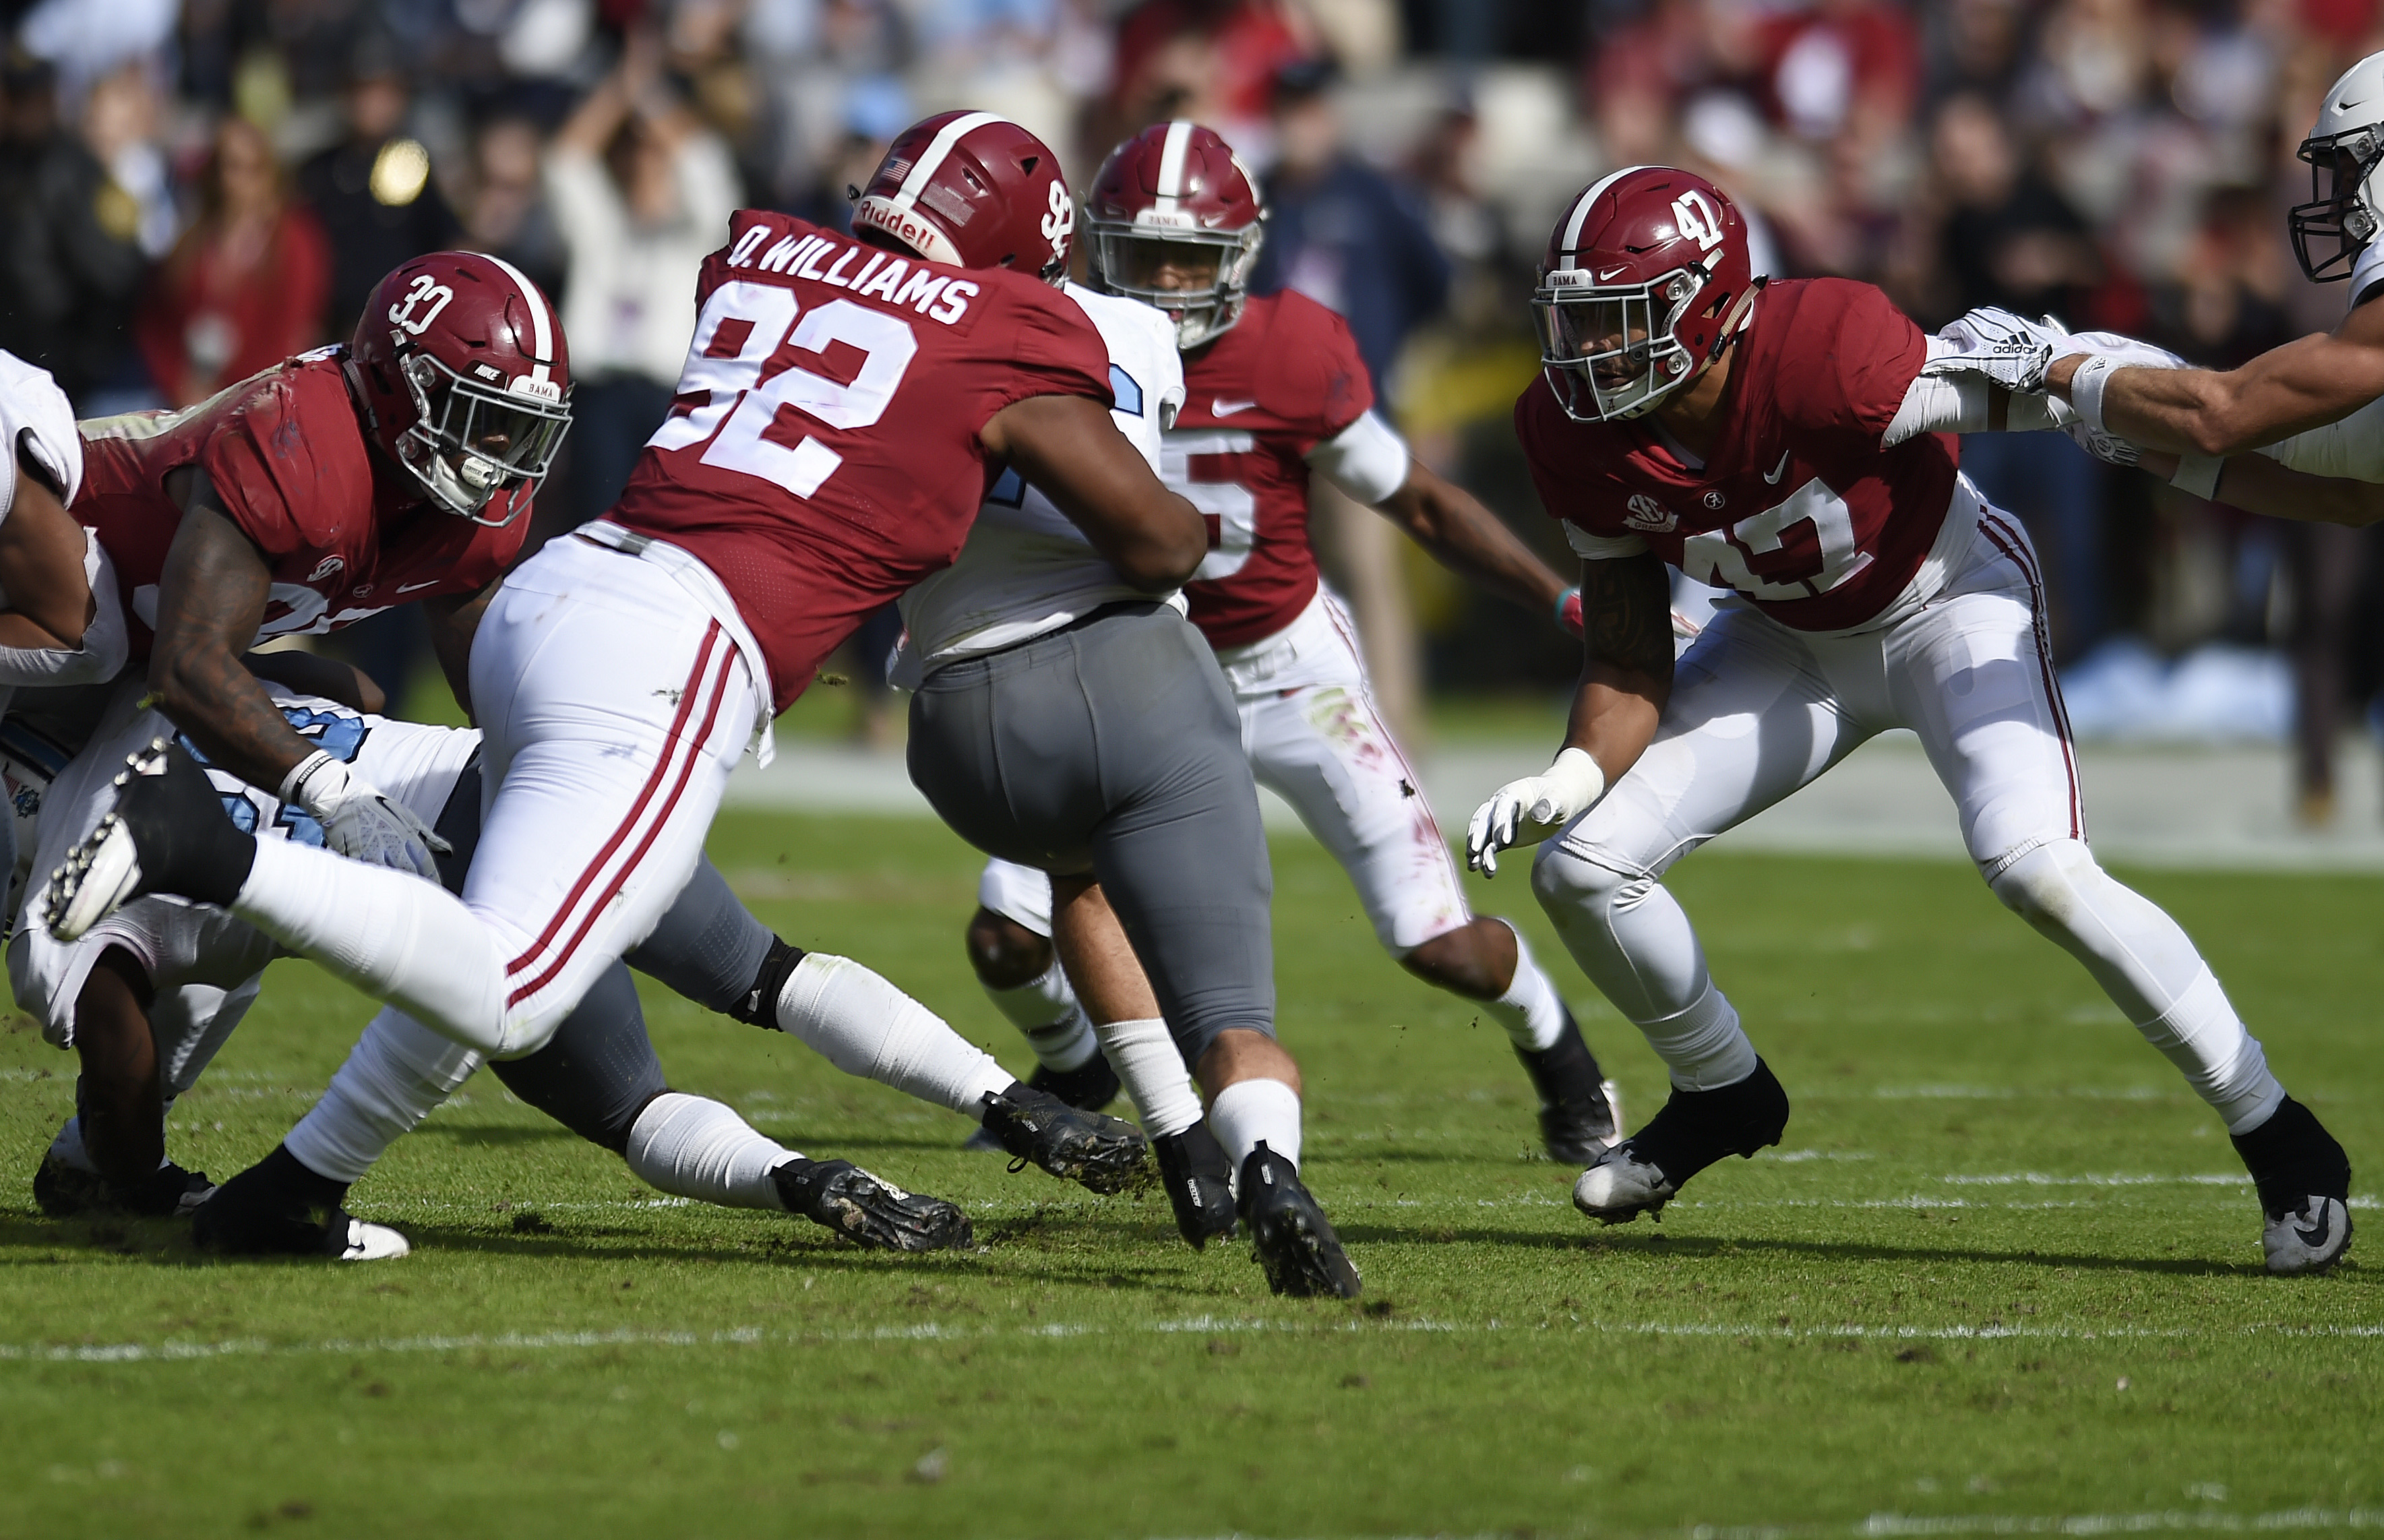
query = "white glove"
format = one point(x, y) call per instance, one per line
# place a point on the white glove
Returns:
point(359, 821)
point(1991, 341)
point(1528, 811)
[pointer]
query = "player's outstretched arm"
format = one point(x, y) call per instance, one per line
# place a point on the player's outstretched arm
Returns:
point(2259, 485)
point(1471, 540)
point(2303, 384)
point(1068, 447)
point(1626, 678)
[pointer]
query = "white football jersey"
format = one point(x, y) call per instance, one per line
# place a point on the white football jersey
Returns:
point(1026, 570)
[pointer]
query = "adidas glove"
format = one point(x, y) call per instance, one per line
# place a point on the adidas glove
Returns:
point(2003, 348)
point(1528, 811)
point(359, 821)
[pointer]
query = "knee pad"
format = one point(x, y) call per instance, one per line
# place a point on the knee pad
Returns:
point(2043, 886)
point(1563, 879)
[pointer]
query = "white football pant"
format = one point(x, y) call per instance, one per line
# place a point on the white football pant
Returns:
point(613, 705)
point(1758, 710)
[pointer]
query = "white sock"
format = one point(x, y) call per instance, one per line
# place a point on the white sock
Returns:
point(865, 1026)
point(1043, 1008)
point(1530, 1010)
point(694, 1146)
point(387, 933)
point(1143, 1053)
point(398, 1072)
point(1250, 1112)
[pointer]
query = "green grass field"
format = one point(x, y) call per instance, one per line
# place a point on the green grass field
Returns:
point(2003, 1276)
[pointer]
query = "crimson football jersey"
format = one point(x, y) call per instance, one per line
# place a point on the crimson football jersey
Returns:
point(1798, 509)
point(1287, 378)
point(821, 454)
point(287, 455)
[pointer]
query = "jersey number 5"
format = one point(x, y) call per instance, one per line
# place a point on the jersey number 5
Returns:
point(747, 417)
point(1229, 509)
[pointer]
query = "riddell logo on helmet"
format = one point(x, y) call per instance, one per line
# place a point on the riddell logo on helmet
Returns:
point(883, 214)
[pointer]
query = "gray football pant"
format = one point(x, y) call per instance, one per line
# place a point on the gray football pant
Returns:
point(1113, 748)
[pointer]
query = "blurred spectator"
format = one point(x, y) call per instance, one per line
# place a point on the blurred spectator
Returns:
point(70, 257)
point(641, 191)
point(1212, 60)
point(373, 192)
point(244, 288)
point(1341, 232)
point(508, 213)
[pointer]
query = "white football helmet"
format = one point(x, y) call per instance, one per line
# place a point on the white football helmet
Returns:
point(2347, 144)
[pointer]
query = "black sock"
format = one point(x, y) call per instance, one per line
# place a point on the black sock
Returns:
point(2291, 1157)
point(760, 1005)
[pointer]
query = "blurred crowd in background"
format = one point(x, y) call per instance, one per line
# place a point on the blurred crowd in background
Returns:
point(191, 190)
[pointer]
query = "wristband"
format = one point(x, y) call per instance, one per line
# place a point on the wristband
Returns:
point(1567, 612)
point(2086, 391)
point(1579, 778)
point(2198, 474)
point(294, 784)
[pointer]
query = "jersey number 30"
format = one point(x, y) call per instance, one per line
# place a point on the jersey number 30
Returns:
point(741, 327)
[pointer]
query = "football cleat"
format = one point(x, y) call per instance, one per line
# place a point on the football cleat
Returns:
point(1101, 1153)
point(1579, 1119)
point(1289, 1235)
point(278, 1207)
point(64, 1191)
point(869, 1211)
point(1694, 1130)
point(1090, 1086)
point(1620, 1187)
point(2303, 1178)
point(1199, 1176)
point(167, 833)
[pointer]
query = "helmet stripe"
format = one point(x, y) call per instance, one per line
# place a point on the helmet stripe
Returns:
point(1171, 164)
point(1580, 211)
point(541, 326)
point(937, 150)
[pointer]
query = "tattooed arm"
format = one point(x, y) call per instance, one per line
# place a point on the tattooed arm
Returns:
point(211, 599)
point(1626, 675)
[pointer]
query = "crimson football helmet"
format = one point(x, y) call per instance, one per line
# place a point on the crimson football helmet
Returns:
point(461, 362)
point(1176, 222)
point(973, 190)
point(1646, 276)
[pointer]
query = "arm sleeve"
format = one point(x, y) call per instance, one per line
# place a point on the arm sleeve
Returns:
point(2350, 447)
point(1366, 459)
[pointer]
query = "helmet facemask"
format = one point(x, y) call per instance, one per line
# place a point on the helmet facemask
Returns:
point(1612, 354)
point(2339, 211)
point(469, 440)
point(1209, 272)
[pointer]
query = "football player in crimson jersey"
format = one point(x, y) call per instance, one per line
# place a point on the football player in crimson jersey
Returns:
point(836, 419)
point(1274, 392)
point(1783, 443)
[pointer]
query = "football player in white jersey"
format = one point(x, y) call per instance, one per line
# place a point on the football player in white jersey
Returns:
point(1279, 396)
point(2312, 404)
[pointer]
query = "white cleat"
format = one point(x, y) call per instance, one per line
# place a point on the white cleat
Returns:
point(372, 1243)
point(98, 875)
point(1619, 1187)
point(2309, 1239)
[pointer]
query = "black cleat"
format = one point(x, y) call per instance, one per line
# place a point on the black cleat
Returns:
point(166, 834)
point(1199, 1176)
point(1577, 1116)
point(1694, 1129)
point(63, 1191)
point(1088, 1088)
point(869, 1211)
point(1289, 1235)
point(2303, 1178)
point(1102, 1154)
point(278, 1208)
